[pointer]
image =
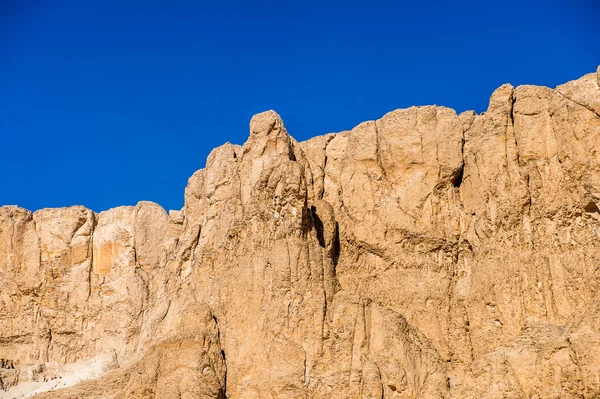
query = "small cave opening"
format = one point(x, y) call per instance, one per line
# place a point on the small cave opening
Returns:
point(458, 178)
point(591, 207)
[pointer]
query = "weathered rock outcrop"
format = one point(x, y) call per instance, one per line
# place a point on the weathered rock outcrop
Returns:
point(423, 255)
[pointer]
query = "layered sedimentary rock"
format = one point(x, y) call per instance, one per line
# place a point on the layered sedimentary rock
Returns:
point(422, 255)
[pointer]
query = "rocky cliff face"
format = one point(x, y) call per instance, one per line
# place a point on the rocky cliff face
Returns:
point(423, 255)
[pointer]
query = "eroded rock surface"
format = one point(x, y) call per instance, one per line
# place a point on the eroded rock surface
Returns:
point(422, 255)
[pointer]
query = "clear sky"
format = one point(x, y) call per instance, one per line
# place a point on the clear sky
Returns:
point(106, 103)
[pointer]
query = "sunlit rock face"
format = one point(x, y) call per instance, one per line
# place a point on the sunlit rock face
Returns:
point(422, 255)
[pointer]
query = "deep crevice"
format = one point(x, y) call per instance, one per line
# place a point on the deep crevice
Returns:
point(318, 223)
point(457, 180)
point(335, 255)
point(223, 390)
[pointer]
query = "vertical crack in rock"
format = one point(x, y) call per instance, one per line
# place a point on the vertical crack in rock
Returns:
point(318, 224)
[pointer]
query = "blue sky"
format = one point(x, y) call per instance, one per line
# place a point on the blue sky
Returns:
point(106, 103)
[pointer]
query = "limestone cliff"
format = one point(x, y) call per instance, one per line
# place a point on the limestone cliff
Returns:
point(422, 255)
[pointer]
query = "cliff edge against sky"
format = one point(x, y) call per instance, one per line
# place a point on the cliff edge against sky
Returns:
point(422, 255)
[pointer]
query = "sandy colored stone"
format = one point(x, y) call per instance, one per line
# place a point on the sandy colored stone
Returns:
point(189, 366)
point(421, 255)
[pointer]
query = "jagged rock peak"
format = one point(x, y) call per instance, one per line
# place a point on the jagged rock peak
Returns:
point(262, 124)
